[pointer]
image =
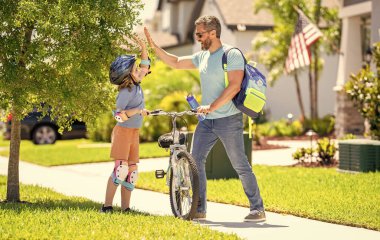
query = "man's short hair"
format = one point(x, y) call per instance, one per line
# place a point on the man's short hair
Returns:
point(210, 23)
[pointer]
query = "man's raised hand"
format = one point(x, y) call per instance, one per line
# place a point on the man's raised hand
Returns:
point(149, 38)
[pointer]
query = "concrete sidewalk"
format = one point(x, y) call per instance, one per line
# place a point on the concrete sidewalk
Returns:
point(89, 181)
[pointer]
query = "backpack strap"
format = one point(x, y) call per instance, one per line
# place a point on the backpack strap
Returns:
point(224, 63)
point(226, 82)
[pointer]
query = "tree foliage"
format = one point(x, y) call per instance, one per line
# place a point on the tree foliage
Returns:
point(58, 53)
point(54, 56)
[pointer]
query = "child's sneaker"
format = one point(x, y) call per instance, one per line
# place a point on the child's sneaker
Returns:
point(255, 216)
point(108, 209)
point(127, 210)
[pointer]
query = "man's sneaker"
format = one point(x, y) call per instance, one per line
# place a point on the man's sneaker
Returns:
point(255, 216)
point(108, 209)
point(199, 216)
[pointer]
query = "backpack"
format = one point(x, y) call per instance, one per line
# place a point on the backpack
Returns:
point(251, 97)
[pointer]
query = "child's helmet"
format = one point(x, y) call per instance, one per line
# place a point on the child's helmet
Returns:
point(120, 68)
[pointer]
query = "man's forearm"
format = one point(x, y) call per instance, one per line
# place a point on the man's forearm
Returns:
point(166, 57)
point(225, 97)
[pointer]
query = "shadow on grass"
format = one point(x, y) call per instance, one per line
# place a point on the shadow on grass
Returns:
point(61, 205)
point(239, 224)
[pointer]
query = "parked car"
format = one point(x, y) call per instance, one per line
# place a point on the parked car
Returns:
point(44, 131)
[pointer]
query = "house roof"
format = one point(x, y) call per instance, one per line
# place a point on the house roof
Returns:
point(234, 13)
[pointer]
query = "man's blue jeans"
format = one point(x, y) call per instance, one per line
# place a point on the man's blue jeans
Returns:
point(230, 131)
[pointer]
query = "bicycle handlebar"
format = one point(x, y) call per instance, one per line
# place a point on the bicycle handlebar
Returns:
point(159, 112)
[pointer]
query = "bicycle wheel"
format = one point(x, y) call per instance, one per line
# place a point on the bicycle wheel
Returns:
point(184, 187)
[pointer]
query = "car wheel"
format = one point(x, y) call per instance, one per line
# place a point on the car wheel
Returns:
point(44, 134)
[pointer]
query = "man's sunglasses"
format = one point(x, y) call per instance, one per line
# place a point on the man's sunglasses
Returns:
point(200, 34)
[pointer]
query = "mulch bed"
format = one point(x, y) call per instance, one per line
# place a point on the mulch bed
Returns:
point(289, 138)
point(314, 165)
point(264, 145)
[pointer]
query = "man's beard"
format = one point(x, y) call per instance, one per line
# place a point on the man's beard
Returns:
point(206, 44)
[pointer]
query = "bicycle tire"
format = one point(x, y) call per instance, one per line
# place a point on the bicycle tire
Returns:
point(176, 196)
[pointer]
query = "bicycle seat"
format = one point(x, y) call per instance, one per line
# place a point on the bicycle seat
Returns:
point(165, 140)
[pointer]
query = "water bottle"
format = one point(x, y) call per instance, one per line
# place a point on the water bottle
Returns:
point(194, 105)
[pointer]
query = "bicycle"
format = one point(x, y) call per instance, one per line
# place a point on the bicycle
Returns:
point(182, 173)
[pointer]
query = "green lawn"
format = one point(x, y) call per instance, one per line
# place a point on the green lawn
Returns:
point(66, 152)
point(316, 193)
point(3, 143)
point(50, 215)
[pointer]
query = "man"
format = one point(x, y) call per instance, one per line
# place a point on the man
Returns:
point(224, 121)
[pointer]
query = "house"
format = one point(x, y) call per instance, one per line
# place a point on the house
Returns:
point(361, 28)
point(173, 29)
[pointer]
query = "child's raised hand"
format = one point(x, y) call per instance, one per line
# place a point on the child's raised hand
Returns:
point(138, 41)
point(126, 45)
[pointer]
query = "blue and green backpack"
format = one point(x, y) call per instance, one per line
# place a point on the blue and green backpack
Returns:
point(251, 97)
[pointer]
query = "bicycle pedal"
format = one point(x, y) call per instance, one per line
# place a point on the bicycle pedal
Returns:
point(160, 173)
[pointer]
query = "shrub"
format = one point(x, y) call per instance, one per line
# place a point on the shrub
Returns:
point(102, 129)
point(280, 128)
point(323, 126)
point(303, 155)
point(348, 136)
point(325, 153)
point(364, 90)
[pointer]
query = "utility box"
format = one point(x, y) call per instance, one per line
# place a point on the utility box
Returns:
point(218, 164)
point(360, 155)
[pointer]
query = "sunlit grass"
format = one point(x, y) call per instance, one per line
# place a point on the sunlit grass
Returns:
point(50, 215)
point(317, 193)
point(75, 151)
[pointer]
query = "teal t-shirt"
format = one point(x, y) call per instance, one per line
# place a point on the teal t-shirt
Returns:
point(212, 77)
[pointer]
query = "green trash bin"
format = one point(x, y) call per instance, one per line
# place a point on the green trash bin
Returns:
point(359, 155)
point(218, 164)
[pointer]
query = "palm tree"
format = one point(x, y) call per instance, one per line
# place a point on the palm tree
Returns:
point(278, 41)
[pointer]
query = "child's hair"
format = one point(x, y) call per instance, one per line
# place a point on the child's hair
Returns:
point(128, 83)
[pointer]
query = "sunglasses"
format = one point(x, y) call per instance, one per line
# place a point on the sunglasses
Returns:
point(200, 34)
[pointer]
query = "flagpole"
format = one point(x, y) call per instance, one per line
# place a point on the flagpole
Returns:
point(296, 8)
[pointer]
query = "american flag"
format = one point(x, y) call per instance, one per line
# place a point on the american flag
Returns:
point(304, 36)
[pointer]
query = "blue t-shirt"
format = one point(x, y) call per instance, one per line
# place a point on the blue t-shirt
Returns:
point(212, 77)
point(131, 99)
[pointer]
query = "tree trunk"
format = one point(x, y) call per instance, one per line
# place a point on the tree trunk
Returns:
point(13, 183)
point(13, 186)
point(299, 97)
point(311, 90)
point(316, 78)
point(317, 16)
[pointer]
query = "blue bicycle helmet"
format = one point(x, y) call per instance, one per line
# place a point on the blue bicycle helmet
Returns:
point(120, 68)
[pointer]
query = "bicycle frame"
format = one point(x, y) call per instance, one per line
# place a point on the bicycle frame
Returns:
point(182, 174)
point(176, 147)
